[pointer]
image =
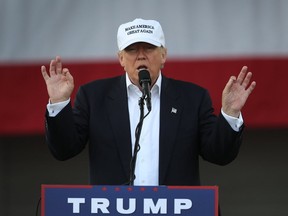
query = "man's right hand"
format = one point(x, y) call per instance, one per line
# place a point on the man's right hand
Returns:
point(60, 83)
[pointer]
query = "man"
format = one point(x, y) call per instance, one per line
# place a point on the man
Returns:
point(180, 127)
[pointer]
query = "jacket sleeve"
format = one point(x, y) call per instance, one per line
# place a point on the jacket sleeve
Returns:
point(220, 144)
point(66, 133)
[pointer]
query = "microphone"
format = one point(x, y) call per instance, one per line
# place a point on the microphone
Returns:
point(145, 83)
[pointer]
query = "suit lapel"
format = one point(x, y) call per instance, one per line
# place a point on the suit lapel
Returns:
point(117, 107)
point(170, 113)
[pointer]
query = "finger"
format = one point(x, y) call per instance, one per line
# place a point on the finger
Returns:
point(68, 75)
point(52, 67)
point(247, 79)
point(251, 87)
point(58, 65)
point(242, 74)
point(65, 72)
point(44, 73)
point(229, 84)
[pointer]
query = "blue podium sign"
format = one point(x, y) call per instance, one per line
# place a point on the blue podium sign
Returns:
point(88, 200)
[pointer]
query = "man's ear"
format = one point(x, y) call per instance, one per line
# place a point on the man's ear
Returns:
point(164, 55)
point(120, 58)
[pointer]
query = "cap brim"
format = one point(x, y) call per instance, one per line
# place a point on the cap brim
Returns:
point(138, 40)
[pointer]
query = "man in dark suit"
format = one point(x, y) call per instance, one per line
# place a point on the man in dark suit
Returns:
point(180, 127)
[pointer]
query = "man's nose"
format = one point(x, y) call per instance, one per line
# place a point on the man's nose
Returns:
point(141, 52)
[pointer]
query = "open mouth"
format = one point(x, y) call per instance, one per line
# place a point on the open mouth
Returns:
point(142, 67)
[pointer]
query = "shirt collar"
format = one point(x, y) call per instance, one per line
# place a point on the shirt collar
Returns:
point(156, 89)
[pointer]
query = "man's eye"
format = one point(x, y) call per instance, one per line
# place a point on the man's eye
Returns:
point(150, 47)
point(130, 49)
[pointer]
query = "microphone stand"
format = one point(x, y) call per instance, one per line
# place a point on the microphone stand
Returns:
point(137, 138)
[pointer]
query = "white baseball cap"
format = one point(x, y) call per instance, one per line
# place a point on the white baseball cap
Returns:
point(140, 30)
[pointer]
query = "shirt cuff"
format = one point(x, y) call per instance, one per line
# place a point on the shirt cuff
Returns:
point(55, 108)
point(235, 123)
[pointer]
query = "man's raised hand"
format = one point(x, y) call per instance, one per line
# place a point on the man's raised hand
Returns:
point(236, 92)
point(59, 81)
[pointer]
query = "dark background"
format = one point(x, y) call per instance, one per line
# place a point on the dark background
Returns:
point(254, 184)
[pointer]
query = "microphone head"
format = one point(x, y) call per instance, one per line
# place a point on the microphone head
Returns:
point(144, 76)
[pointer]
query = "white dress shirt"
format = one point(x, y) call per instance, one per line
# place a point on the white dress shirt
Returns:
point(147, 164)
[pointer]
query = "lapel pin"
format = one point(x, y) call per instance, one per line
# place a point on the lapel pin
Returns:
point(173, 110)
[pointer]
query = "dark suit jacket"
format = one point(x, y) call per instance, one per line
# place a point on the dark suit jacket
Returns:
point(100, 117)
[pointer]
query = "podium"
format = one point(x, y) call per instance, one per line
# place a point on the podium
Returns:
point(89, 200)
